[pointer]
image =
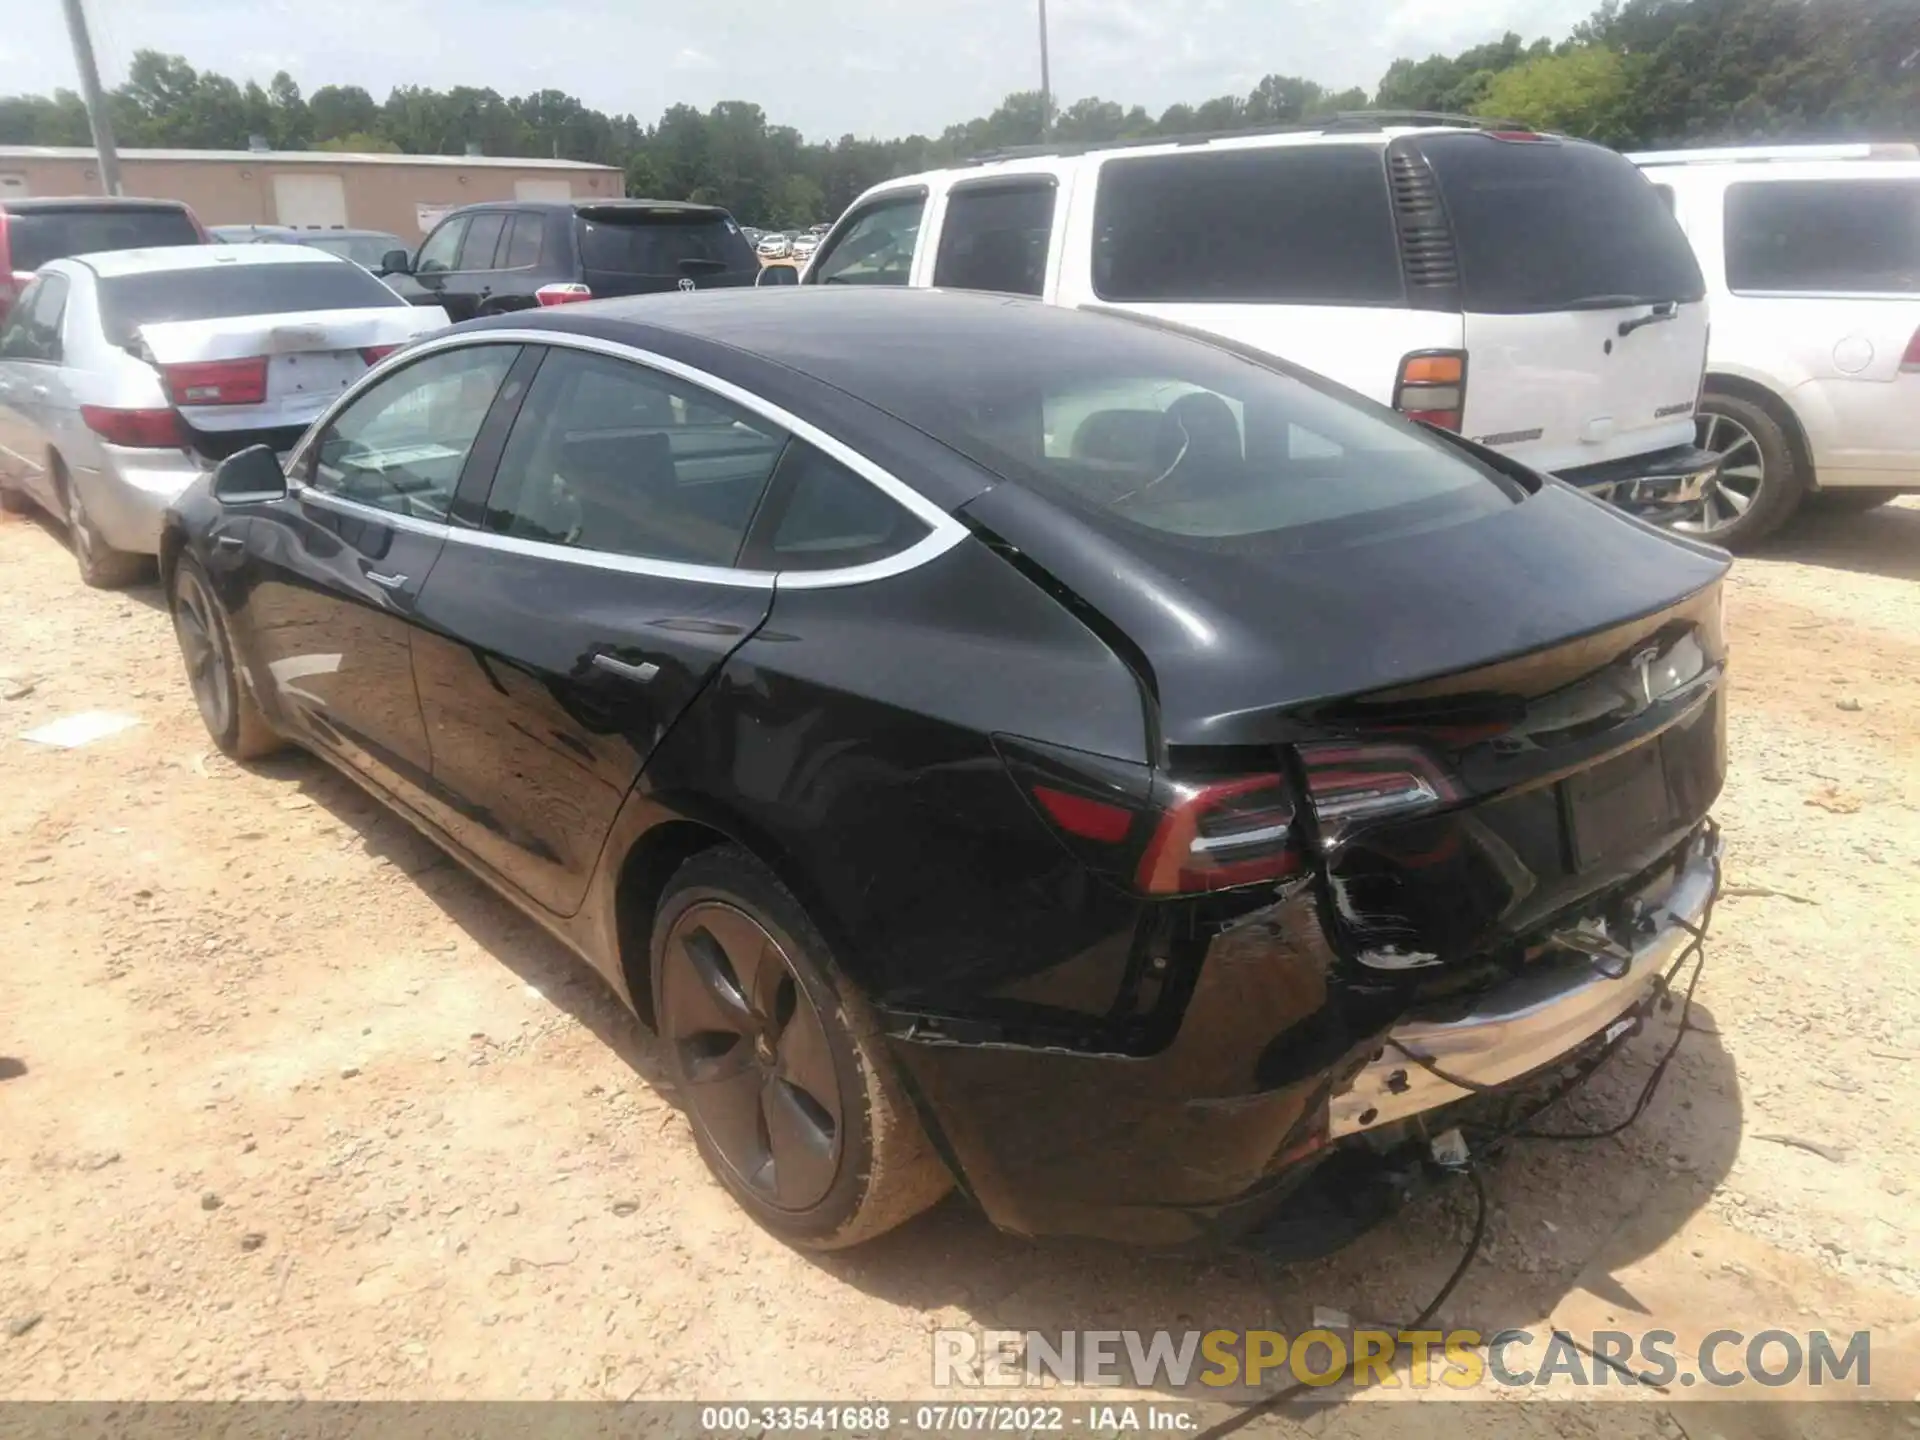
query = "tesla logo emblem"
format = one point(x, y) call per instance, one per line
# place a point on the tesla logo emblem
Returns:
point(1640, 697)
point(686, 285)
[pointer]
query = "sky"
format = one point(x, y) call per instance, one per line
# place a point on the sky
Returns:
point(827, 67)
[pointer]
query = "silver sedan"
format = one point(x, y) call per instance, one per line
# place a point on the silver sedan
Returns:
point(125, 374)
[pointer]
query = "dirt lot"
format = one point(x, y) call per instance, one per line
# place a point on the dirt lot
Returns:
point(289, 1105)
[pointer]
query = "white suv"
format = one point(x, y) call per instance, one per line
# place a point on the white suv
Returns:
point(1812, 260)
point(1529, 291)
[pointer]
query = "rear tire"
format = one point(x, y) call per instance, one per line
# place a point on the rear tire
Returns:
point(226, 705)
point(791, 1095)
point(1761, 482)
point(101, 566)
point(12, 501)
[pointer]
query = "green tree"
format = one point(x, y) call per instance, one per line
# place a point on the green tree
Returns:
point(335, 110)
point(359, 142)
point(1582, 92)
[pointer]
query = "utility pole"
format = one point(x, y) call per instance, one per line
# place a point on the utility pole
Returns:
point(1046, 78)
point(97, 116)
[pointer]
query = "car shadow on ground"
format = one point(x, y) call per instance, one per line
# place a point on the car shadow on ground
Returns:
point(1884, 541)
point(1551, 1205)
point(147, 592)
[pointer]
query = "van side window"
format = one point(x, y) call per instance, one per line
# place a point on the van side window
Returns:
point(1824, 236)
point(1303, 224)
point(996, 237)
point(877, 248)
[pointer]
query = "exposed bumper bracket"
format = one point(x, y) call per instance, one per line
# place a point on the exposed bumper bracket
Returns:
point(1531, 1021)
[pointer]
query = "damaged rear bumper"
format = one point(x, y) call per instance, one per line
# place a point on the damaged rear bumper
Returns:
point(1561, 1002)
point(1664, 486)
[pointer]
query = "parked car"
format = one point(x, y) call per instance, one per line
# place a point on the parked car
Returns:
point(775, 246)
point(1812, 262)
point(779, 272)
point(32, 232)
point(804, 246)
point(1077, 770)
point(1526, 290)
point(122, 375)
point(488, 259)
point(368, 249)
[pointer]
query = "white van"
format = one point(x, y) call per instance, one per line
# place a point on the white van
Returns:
point(1529, 291)
point(1812, 260)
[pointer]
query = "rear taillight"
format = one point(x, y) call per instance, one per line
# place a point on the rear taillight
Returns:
point(1220, 833)
point(1432, 386)
point(135, 429)
point(1911, 360)
point(374, 354)
point(1354, 784)
point(217, 382)
point(570, 293)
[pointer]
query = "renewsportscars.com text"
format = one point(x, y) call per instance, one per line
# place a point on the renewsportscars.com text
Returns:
point(1223, 1360)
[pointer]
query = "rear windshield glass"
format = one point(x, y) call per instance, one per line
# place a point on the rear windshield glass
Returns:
point(663, 245)
point(367, 250)
point(1824, 236)
point(1549, 225)
point(220, 292)
point(37, 236)
point(1157, 433)
point(1305, 224)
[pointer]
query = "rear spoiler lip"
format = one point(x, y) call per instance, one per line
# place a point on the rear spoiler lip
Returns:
point(241, 337)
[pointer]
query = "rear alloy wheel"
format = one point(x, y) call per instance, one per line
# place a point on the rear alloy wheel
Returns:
point(790, 1096)
point(101, 566)
point(231, 716)
point(1760, 483)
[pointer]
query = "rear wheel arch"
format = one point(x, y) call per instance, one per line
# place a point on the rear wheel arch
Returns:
point(1775, 405)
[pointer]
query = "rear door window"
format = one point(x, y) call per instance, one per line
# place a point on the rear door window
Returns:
point(996, 237)
point(33, 330)
point(1824, 236)
point(822, 516)
point(524, 233)
point(1550, 225)
point(37, 236)
point(610, 456)
point(218, 292)
point(876, 247)
point(1306, 225)
point(483, 236)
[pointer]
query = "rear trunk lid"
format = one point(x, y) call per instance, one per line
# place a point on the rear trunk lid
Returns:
point(645, 249)
point(259, 378)
point(1585, 311)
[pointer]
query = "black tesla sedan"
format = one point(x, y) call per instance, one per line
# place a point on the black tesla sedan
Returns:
point(996, 744)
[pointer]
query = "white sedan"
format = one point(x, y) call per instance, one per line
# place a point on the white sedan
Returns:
point(124, 374)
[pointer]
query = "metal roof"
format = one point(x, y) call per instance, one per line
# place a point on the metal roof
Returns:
point(308, 157)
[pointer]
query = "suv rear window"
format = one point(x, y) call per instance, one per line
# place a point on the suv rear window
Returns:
point(220, 292)
point(662, 243)
point(1305, 224)
point(1824, 236)
point(1544, 225)
point(36, 236)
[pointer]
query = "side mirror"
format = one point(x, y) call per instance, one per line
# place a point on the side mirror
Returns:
point(396, 262)
point(252, 474)
point(777, 275)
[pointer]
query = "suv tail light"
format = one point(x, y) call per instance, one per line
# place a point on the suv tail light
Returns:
point(1186, 837)
point(217, 382)
point(570, 293)
point(135, 429)
point(1911, 360)
point(1432, 386)
point(374, 354)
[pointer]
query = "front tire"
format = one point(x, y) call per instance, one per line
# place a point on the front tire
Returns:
point(226, 705)
point(101, 566)
point(1761, 481)
point(792, 1099)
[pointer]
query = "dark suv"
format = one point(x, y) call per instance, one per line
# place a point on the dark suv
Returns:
point(485, 259)
point(32, 232)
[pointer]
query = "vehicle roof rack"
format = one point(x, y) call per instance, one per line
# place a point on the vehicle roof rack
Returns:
point(1735, 154)
point(1342, 122)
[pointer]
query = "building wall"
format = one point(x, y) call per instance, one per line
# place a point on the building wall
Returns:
point(379, 196)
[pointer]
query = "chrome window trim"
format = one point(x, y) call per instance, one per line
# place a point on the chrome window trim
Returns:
point(943, 531)
point(326, 499)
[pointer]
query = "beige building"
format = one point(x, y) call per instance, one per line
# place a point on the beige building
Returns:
point(403, 194)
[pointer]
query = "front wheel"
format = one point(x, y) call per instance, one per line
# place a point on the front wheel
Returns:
point(232, 718)
point(791, 1096)
point(1761, 481)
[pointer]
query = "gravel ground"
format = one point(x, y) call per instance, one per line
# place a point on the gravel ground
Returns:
point(291, 1106)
